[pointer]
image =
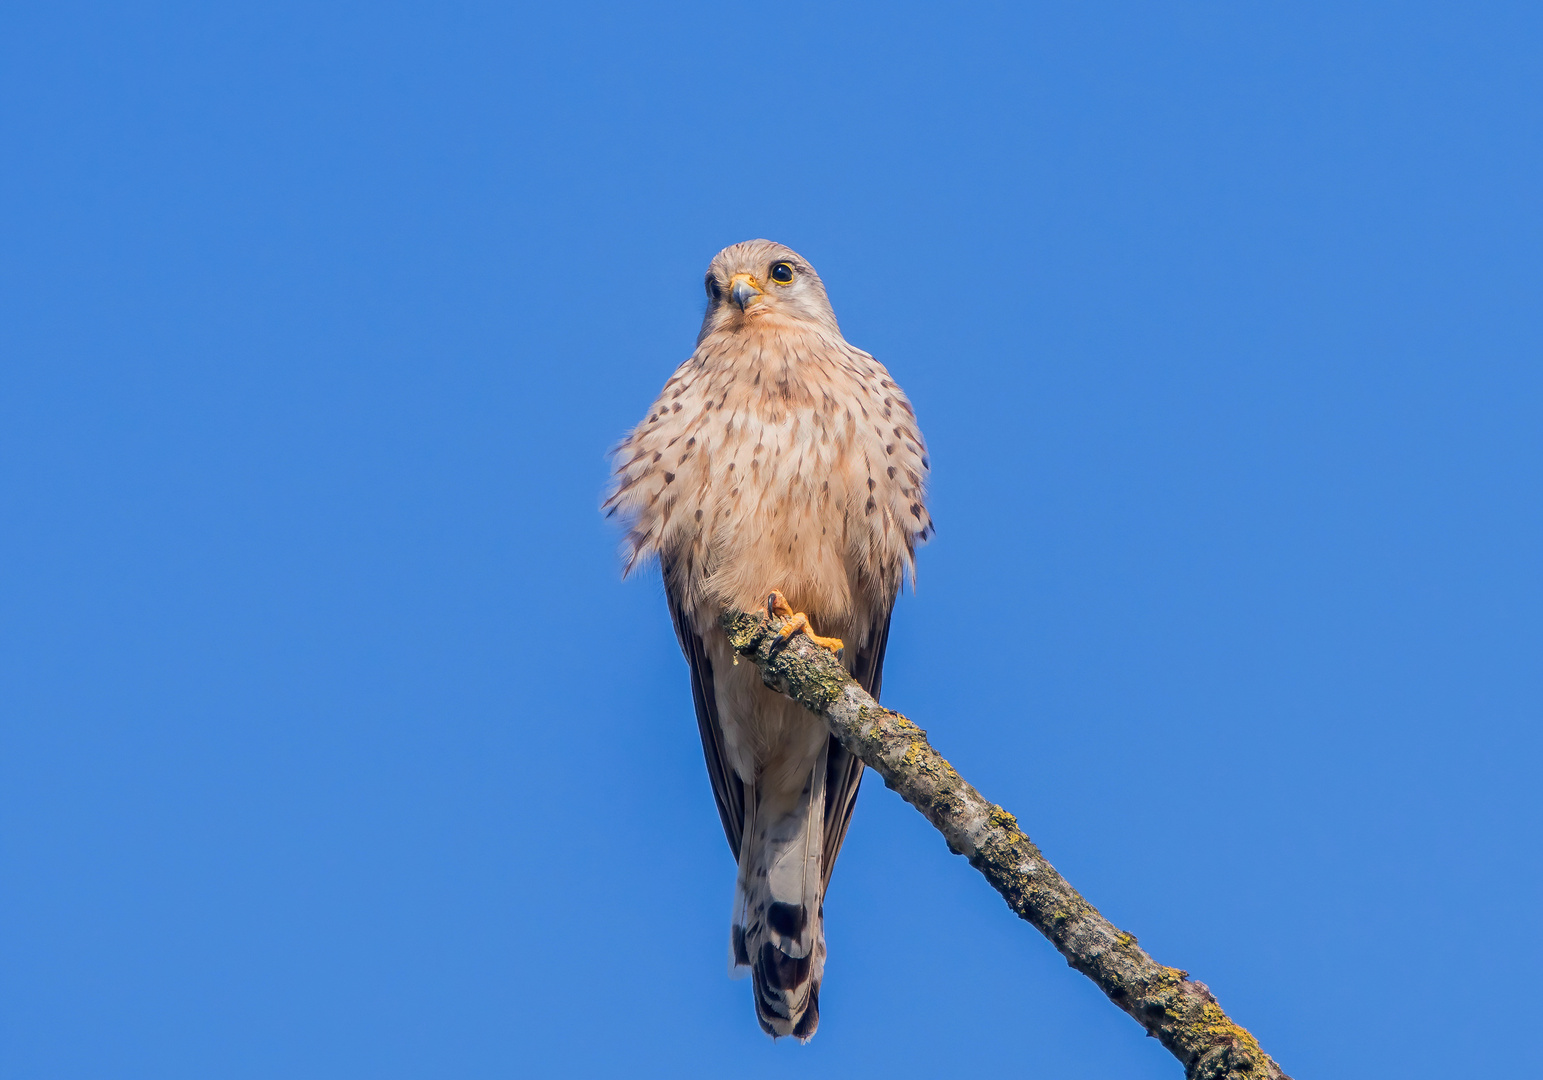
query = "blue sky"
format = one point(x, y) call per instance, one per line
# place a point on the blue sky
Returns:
point(332, 744)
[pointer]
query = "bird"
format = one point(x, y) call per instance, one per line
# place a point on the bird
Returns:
point(780, 467)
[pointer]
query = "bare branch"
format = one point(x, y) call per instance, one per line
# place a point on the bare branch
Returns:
point(1175, 1009)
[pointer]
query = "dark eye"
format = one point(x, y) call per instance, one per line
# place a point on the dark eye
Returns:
point(712, 288)
point(782, 273)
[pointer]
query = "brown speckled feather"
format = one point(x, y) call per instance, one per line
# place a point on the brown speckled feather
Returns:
point(777, 457)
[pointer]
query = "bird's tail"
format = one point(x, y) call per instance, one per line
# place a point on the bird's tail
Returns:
point(779, 932)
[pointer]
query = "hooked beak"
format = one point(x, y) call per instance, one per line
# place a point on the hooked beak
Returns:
point(743, 290)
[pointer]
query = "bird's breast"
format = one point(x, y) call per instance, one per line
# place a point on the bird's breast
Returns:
point(787, 463)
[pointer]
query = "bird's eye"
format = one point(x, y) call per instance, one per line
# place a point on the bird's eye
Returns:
point(782, 273)
point(712, 288)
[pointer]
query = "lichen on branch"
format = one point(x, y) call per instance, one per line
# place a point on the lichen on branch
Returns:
point(1175, 1009)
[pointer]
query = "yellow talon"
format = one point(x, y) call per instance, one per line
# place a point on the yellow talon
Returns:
point(777, 604)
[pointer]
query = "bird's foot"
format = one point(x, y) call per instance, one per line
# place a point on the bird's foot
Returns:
point(777, 604)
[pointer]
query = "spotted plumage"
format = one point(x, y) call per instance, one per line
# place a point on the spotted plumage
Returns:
point(778, 457)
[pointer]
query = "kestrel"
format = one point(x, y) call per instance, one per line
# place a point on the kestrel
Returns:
point(782, 467)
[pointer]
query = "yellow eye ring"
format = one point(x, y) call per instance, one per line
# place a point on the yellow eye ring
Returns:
point(782, 273)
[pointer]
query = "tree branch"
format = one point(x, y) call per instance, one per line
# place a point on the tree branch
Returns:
point(1180, 1012)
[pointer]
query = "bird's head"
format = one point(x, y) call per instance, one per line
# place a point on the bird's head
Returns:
point(759, 279)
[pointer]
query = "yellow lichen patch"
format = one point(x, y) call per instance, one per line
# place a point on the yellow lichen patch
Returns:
point(1219, 1028)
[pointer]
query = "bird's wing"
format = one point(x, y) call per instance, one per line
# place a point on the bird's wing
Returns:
point(728, 789)
point(843, 772)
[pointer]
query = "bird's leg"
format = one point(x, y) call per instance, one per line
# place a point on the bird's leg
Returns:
point(777, 604)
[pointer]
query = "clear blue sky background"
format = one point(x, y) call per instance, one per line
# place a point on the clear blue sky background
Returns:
point(334, 747)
